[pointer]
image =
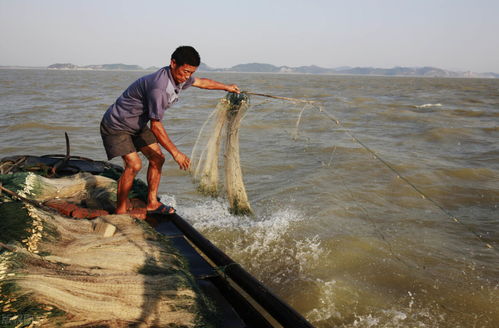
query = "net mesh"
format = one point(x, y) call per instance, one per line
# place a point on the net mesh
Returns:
point(228, 115)
point(56, 271)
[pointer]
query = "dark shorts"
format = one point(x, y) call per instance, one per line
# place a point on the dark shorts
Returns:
point(119, 143)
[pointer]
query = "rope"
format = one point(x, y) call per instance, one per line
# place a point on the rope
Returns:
point(223, 268)
point(14, 165)
point(26, 200)
point(376, 156)
point(400, 176)
point(7, 247)
point(282, 98)
point(366, 213)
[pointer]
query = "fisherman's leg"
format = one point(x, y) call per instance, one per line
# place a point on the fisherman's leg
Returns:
point(133, 164)
point(156, 160)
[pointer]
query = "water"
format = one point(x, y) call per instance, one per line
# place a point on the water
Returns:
point(336, 233)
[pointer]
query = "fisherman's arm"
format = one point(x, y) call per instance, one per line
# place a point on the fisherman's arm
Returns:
point(205, 83)
point(159, 132)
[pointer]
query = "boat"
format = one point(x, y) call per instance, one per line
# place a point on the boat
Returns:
point(78, 193)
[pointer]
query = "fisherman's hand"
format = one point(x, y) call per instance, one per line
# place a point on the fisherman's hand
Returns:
point(182, 160)
point(233, 88)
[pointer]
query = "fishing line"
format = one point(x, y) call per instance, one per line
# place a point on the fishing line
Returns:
point(182, 137)
point(400, 176)
point(298, 122)
point(281, 98)
point(366, 213)
point(193, 153)
point(376, 156)
point(373, 223)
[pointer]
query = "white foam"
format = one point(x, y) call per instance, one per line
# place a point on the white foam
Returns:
point(266, 246)
point(367, 321)
point(387, 318)
point(168, 200)
point(429, 105)
point(327, 301)
point(399, 316)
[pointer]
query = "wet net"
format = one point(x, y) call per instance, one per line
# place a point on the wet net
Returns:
point(226, 118)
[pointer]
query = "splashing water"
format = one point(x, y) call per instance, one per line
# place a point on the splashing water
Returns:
point(269, 246)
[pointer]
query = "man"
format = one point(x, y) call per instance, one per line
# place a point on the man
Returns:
point(124, 127)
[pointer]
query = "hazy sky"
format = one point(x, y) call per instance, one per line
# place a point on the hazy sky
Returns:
point(450, 34)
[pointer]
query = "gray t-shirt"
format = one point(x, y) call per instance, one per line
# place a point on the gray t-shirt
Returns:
point(144, 100)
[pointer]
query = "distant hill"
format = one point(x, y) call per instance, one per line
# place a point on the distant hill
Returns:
point(399, 71)
point(255, 68)
point(63, 66)
point(395, 71)
point(205, 68)
point(121, 67)
point(312, 69)
point(112, 67)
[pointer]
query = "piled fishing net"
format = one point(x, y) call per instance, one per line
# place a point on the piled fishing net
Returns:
point(57, 271)
point(227, 115)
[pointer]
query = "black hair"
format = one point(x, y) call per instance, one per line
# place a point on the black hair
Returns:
point(186, 55)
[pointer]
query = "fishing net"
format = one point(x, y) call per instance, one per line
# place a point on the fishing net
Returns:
point(228, 115)
point(56, 271)
point(207, 169)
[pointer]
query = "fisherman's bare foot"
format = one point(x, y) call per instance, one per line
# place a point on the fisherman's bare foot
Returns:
point(121, 211)
point(124, 208)
point(138, 213)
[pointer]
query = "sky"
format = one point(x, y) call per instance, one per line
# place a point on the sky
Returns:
point(449, 34)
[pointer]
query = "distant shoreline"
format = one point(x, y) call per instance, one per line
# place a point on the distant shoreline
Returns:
point(44, 68)
point(256, 68)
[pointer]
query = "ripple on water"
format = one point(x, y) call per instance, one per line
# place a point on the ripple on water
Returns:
point(42, 126)
point(330, 218)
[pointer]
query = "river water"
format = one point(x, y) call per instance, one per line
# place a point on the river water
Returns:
point(379, 209)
